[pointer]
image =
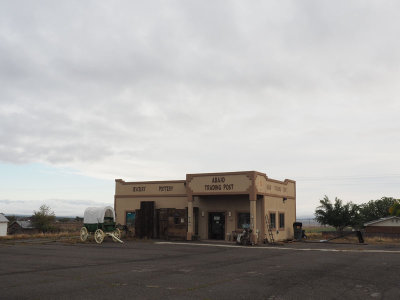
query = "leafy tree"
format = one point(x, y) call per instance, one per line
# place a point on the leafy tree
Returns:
point(376, 209)
point(394, 210)
point(337, 214)
point(43, 218)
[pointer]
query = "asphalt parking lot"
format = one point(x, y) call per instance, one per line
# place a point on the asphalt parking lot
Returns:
point(162, 270)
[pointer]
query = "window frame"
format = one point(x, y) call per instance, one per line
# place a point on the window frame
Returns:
point(270, 219)
point(279, 214)
point(126, 217)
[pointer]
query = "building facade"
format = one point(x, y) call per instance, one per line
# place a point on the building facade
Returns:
point(22, 227)
point(3, 225)
point(384, 227)
point(208, 206)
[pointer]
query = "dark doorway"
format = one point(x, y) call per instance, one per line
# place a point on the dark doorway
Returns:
point(216, 225)
point(144, 220)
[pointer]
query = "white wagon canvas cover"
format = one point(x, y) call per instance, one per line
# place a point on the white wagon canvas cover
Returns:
point(95, 215)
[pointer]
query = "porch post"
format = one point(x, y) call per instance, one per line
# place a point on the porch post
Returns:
point(253, 209)
point(253, 218)
point(190, 218)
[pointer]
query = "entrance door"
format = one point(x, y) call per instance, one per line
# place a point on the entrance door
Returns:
point(144, 221)
point(216, 225)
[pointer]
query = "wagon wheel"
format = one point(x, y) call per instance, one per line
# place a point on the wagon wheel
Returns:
point(99, 236)
point(84, 234)
point(116, 233)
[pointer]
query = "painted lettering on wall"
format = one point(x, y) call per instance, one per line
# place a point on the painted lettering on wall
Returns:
point(218, 187)
point(139, 188)
point(212, 187)
point(218, 179)
point(277, 188)
point(165, 188)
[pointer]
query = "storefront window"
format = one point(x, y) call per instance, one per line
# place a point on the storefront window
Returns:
point(130, 218)
point(281, 220)
point(243, 220)
point(272, 220)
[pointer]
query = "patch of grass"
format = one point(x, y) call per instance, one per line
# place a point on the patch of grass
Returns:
point(317, 229)
point(317, 236)
point(39, 236)
point(315, 232)
point(314, 236)
point(381, 240)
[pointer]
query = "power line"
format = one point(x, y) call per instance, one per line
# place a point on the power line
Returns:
point(351, 177)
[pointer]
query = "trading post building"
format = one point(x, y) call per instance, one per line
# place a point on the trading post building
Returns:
point(208, 206)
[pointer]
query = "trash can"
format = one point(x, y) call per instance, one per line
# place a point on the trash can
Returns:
point(297, 229)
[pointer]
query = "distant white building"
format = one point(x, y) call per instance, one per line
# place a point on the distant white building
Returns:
point(3, 225)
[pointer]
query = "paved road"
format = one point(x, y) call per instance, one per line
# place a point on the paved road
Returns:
point(148, 270)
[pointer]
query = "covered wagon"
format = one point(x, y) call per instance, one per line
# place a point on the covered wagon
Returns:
point(101, 222)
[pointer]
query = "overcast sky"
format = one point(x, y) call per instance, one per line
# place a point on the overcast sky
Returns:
point(91, 91)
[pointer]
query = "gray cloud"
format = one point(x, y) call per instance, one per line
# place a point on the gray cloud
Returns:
point(140, 90)
point(11, 201)
point(64, 207)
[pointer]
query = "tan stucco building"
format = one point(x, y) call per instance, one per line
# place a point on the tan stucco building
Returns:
point(208, 206)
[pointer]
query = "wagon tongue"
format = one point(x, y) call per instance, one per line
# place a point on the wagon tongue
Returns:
point(114, 237)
